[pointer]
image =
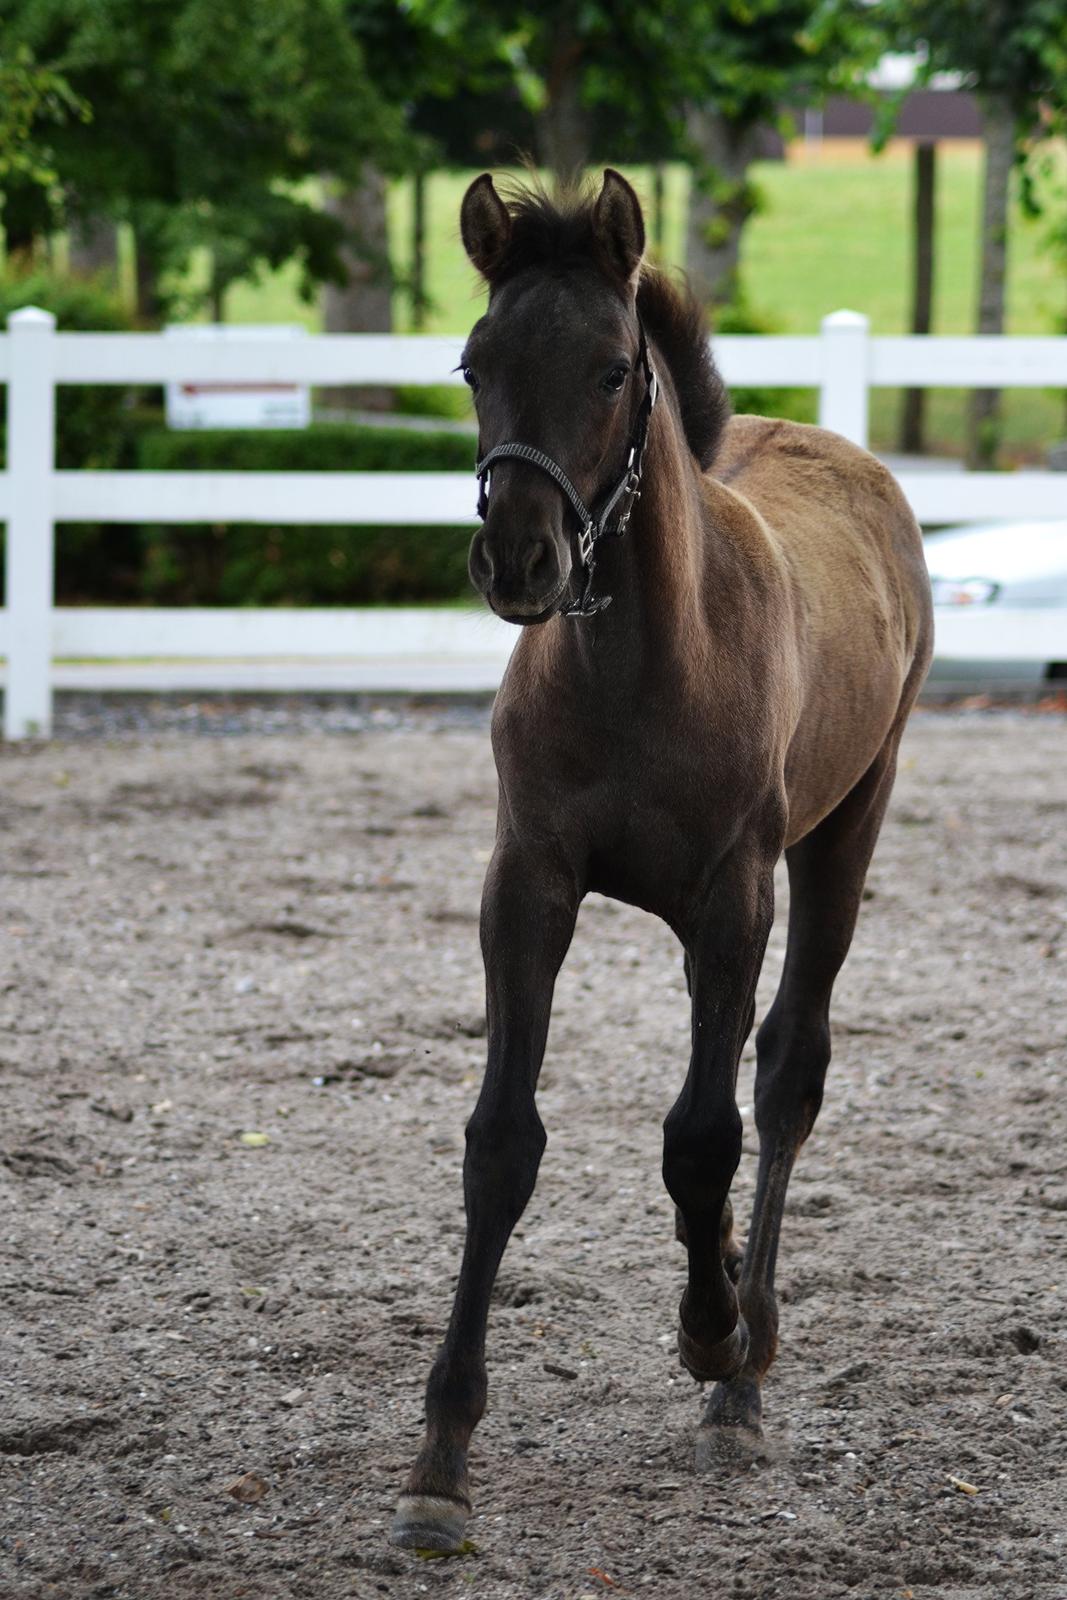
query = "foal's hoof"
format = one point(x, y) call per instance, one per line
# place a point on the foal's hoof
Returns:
point(709, 1361)
point(430, 1522)
point(730, 1433)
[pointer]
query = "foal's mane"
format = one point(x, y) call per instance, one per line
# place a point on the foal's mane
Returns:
point(675, 320)
point(560, 235)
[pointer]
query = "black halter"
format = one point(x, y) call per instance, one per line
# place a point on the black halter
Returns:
point(621, 499)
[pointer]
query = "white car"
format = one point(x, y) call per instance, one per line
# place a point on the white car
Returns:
point(1000, 601)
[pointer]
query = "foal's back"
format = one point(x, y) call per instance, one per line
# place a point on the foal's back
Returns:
point(848, 552)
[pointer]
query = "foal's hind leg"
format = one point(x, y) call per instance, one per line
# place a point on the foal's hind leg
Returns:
point(826, 875)
point(702, 1131)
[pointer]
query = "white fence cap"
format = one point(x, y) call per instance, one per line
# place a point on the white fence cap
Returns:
point(31, 317)
point(846, 319)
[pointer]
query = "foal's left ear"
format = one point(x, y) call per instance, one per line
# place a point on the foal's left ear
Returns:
point(619, 226)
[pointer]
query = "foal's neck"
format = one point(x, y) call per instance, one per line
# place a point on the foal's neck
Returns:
point(655, 575)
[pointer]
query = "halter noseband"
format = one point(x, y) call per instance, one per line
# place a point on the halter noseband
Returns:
point(591, 528)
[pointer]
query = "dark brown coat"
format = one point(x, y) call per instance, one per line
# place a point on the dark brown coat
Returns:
point(743, 694)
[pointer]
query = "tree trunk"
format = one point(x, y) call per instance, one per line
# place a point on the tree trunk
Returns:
point(563, 126)
point(92, 247)
point(25, 218)
point(983, 434)
point(364, 303)
point(659, 208)
point(21, 248)
point(149, 301)
point(217, 291)
point(419, 301)
point(912, 424)
point(720, 203)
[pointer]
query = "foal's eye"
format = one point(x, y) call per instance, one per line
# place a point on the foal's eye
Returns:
point(469, 379)
point(613, 380)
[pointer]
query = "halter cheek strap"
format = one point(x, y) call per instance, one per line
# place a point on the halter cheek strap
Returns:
point(619, 502)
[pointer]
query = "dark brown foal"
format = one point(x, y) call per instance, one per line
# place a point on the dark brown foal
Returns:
point(727, 681)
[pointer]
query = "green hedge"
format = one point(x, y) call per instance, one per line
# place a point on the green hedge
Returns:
point(304, 566)
point(324, 447)
point(262, 566)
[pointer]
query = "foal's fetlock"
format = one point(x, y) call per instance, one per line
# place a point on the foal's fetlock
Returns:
point(733, 1260)
point(761, 1314)
point(708, 1359)
point(732, 1254)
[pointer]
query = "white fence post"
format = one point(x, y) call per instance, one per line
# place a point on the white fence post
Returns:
point(843, 393)
point(30, 561)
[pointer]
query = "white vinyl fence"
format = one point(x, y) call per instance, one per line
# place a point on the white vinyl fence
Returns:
point(454, 649)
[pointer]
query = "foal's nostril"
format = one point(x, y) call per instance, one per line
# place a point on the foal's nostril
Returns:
point(480, 562)
point(536, 559)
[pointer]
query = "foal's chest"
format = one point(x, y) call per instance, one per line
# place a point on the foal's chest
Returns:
point(641, 819)
point(657, 847)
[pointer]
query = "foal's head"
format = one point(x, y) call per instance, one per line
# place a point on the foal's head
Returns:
point(553, 363)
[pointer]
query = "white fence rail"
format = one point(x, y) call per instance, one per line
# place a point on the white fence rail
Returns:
point(843, 362)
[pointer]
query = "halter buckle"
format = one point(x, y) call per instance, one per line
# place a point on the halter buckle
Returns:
point(586, 541)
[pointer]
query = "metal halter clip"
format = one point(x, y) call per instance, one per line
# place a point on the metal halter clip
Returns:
point(586, 540)
point(632, 491)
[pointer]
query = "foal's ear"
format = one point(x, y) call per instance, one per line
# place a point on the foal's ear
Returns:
point(484, 224)
point(619, 226)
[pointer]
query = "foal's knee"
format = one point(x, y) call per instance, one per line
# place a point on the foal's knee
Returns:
point(504, 1150)
point(793, 1054)
point(700, 1159)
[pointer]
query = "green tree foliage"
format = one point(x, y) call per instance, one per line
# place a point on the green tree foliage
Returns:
point(206, 122)
point(34, 100)
point(557, 60)
point(693, 79)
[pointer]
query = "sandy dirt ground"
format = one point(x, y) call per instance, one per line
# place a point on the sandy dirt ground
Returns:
point(205, 939)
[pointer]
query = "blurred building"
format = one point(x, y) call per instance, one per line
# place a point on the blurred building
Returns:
point(945, 109)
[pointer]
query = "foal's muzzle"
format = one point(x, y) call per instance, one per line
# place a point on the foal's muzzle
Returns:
point(524, 579)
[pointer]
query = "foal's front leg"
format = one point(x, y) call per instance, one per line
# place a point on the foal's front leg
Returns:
point(702, 1131)
point(529, 906)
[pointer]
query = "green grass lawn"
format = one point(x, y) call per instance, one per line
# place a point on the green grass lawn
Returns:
point(831, 233)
